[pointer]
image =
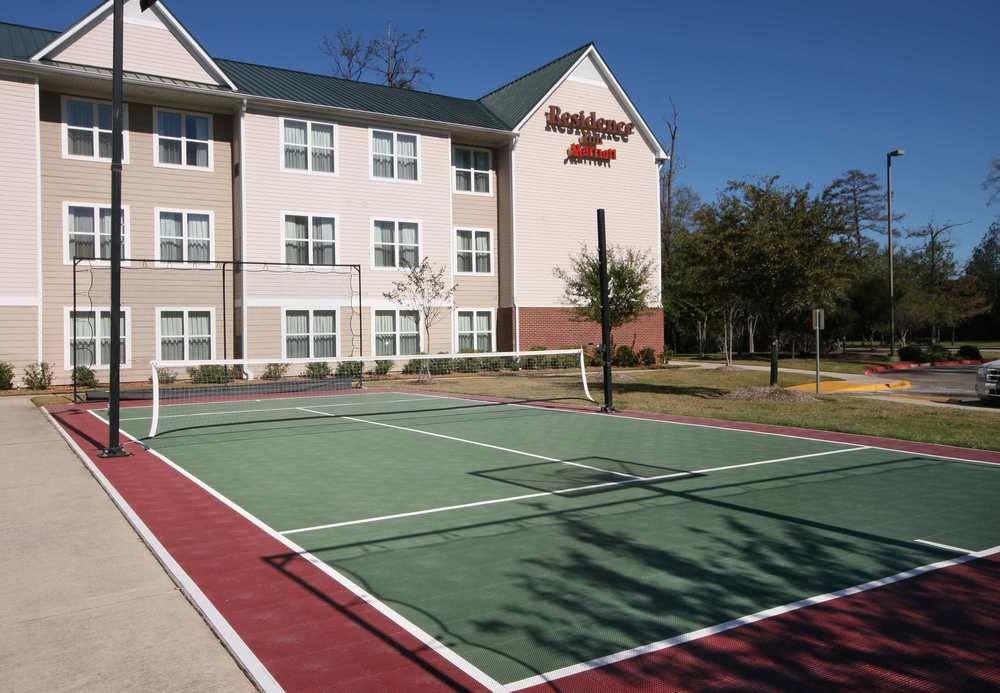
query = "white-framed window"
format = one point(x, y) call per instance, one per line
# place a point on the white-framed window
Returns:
point(310, 333)
point(308, 146)
point(395, 243)
point(184, 236)
point(87, 231)
point(185, 334)
point(88, 336)
point(473, 251)
point(474, 330)
point(183, 139)
point(87, 129)
point(310, 239)
point(395, 155)
point(473, 170)
point(397, 332)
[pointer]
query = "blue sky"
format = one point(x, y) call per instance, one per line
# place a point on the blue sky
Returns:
point(802, 89)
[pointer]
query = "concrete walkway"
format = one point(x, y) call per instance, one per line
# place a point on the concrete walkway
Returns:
point(83, 604)
point(849, 377)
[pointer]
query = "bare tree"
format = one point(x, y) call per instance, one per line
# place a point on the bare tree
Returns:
point(667, 208)
point(992, 183)
point(424, 290)
point(351, 55)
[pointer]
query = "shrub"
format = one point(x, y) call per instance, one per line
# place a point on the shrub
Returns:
point(274, 371)
point(647, 356)
point(349, 369)
point(592, 356)
point(38, 375)
point(625, 357)
point(318, 370)
point(969, 351)
point(209, 375)
point(665, 356)
point(938, 352)
point(913, 353)
point(6, 375)
point(382, 367)
point(84, 377)
point(167, 376)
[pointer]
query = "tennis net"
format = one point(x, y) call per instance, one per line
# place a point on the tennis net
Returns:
point(542, 375)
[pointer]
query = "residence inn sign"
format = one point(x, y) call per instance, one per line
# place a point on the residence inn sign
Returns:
point(593, 131)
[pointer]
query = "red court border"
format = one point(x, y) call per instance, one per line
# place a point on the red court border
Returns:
point(937, 631)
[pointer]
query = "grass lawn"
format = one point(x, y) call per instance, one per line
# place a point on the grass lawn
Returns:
point(697, 392)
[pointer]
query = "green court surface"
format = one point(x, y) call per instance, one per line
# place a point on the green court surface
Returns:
point(528, 539)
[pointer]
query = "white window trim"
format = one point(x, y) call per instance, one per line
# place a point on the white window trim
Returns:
point(493, 325)
point(184, 231)
point(309, 170)
point(421, 347)
point(183, 139)
point(68, 335)
point(455, 169)
point(397, 222)
point(312, 308)
point(65, 131)
point(185, 310)
point(473, 273)
point(395, 150)
point(126, 231)
point(310, 216)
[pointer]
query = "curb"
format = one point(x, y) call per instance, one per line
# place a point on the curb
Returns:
point(908, 365)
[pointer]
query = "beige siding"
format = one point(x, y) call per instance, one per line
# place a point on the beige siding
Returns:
point(18, 192)
point(150, 48)
point(556, 199)
point(477, 212)
point(19, 341)
point(505, 250)
point(264, 333)
point(145, 188)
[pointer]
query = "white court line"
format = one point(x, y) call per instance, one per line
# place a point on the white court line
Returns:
point(252, 411)
point(947, 547)
point(736, 623)
point(413, 629)
point(471, 442)
point(564, 491)
point(240, 651)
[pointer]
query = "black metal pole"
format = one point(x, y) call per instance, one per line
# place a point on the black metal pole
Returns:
point(76, 397)
point(114, 448)
point(606, 347)
point(225, 315)
point(892, 284)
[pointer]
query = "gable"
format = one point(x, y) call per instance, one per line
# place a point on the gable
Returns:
point(588, 73)
point(154, 44)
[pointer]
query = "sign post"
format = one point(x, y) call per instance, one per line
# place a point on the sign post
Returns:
point(819, 323)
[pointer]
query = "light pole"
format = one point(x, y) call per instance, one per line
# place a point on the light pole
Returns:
point(892, 284)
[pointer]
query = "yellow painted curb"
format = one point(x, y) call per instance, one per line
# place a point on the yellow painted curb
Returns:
point(836, 386)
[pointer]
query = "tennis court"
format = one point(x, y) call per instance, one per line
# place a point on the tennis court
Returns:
point(528, 543)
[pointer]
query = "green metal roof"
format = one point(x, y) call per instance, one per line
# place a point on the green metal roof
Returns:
point(514, 100)
point(21, 42)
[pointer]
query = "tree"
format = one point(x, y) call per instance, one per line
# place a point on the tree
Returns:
point(984, 267)
point(992, 183)
point(935, 261)
point(629, 285)
point(424, 290)
point(858, 196)
point(394, 61)
point(667, 174)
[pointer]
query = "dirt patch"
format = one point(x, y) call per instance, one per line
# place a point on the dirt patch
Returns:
point(768, 394)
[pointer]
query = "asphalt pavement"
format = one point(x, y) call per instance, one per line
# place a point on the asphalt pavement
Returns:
point(941, 381)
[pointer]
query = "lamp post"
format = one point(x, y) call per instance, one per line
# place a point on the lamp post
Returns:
point(892, 285)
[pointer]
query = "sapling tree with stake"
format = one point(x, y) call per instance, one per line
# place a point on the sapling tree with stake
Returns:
point(424, 290)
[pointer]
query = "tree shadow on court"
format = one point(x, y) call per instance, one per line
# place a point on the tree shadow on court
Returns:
point(549, 586)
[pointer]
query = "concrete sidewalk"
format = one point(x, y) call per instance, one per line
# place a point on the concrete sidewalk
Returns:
point(83, 604)
point(849, 377)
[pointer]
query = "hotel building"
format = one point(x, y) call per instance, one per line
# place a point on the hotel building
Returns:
point(230, 166)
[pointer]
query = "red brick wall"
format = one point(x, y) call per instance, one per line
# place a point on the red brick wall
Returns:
point(556, 327)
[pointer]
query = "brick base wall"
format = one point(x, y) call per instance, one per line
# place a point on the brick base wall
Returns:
point(556, 327)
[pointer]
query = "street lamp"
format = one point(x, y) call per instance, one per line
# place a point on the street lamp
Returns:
point(892, 286)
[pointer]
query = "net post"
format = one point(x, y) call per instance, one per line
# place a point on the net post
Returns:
point(602, 256)
point(76, 394)
point(153, 366)
point(583, 376)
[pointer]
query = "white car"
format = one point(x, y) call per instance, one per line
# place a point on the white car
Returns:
point(988, 381)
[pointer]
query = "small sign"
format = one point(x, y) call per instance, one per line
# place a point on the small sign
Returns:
point(819, 319)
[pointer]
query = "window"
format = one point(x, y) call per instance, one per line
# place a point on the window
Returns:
point(88, 337)
point(472, 169)
point(310, 334)
point(308, 146)
point(473, 252)
point(397, 332)
point(88, 232)
point(88, 129)
point(183, 139)
point(310, 240)
point(184, 236)
point(397, 244)
point(394, 155)
point(186, 334)
point(475, 330)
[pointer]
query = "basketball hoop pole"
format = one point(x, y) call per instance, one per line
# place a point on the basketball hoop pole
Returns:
point(606, 347)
